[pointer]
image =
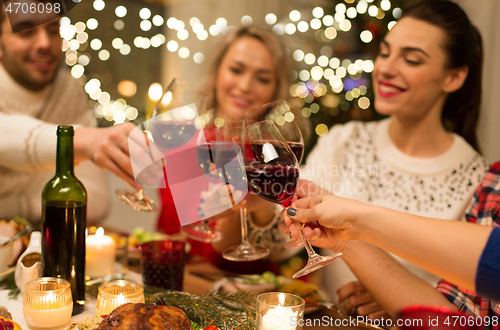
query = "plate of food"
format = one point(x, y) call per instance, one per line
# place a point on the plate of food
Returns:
point(268, 281)
point(139, 236)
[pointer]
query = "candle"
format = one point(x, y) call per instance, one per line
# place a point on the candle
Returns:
point(115, 293)
point(47, 303)
point(100, 254)
point(279, 311)
point(279, 318)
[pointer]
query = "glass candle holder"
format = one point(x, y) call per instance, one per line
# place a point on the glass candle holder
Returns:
point(47, 303)
point(278, 310)
point(116, 293)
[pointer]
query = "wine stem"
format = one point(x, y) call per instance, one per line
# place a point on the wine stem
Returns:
point(244, 228)
point(310, 251)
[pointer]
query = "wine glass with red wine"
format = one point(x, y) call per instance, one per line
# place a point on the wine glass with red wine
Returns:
point(280, 114)
point(171, 125)
point(272, 172)
point(227, 167)
point(210, 155)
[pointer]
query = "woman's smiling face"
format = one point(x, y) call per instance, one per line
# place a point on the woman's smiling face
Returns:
point(410, 73)
point(246, 78)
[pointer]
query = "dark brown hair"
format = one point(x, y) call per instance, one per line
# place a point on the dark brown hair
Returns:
point(3, 12)
point(463, 47)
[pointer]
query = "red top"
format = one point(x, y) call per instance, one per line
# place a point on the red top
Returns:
point(185, 179)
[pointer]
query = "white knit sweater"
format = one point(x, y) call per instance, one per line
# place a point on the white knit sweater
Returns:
point(358, 160)
point(28, 124)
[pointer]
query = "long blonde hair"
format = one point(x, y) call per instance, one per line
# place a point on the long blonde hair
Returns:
point(282, 63)
point(280, 58)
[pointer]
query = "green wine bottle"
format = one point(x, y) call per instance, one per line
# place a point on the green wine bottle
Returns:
point(64, 215)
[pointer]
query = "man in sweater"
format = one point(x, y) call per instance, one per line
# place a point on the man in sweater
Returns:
point(35, 97)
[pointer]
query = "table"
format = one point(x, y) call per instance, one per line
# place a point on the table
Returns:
point(321, 319)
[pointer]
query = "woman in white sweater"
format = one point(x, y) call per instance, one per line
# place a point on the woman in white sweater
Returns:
point(424, 158)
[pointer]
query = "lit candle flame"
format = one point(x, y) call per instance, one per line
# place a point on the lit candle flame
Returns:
point(167, 98)
point(99, 232)
point(155, 91)
point(281, 299)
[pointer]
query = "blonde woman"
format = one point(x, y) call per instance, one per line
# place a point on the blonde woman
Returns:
point(249, 68)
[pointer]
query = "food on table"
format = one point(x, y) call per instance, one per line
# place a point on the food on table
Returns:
point(8, 324)
point(140, 235)
point(268, 282)
point(308, 291)
point(146, 316)
point(9, 227)
point(256, 283)
point(4, 312)
point(89, 323)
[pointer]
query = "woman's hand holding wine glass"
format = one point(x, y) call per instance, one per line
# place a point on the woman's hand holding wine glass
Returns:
point(272, 172)
point(171, 125)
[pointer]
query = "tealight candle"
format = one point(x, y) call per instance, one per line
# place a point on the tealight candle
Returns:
point(279, 311)
point(100, 254)
point(116, 293)
point(47, 303)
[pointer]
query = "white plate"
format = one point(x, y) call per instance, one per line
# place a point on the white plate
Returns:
point(324, 295)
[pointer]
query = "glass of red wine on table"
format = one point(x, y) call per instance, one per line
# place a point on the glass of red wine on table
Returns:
point(272, 172)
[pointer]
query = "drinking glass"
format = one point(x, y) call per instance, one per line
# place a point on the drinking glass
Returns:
point(171, 125)
point(229, 170)
point(47, 303)
point(280, 114)
point(206, 158)
point(162, 264)
point(279, 310)
point(116, 293)
point(272, 172)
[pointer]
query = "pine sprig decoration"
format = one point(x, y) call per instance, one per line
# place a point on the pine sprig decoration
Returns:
point(9, 283)
point(224, 310)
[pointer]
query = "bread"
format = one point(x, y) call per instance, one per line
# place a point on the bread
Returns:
point(5, 313)
point(146, 317)
point(89, 323)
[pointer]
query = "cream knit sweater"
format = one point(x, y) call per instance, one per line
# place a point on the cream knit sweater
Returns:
point(28, 123)
point(358, 160)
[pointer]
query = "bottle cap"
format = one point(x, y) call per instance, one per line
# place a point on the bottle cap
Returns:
point(65, 130)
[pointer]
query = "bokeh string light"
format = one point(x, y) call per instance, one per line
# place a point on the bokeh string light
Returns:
point(324, 78)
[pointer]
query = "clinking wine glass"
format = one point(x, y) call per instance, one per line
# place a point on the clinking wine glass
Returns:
point(211, 153)
point(272, 172)
point(231, 172)
point(280, 114)
point(171, 125)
